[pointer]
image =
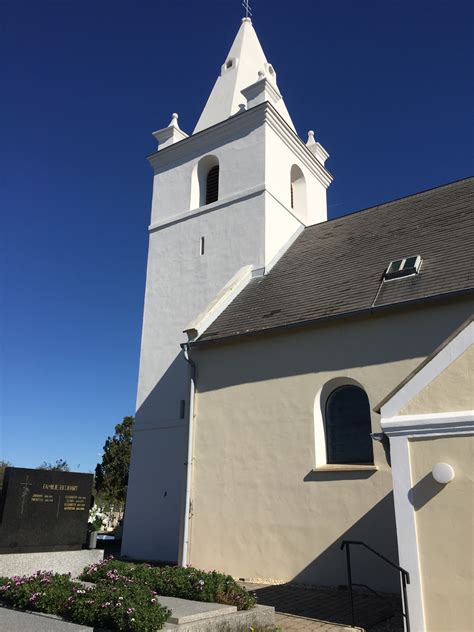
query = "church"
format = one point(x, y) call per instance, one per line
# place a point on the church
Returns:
point(271, 339)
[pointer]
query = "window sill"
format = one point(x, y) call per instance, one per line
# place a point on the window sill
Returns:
point(337, 467)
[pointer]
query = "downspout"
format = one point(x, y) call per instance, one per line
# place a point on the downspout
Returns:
point(190, 456)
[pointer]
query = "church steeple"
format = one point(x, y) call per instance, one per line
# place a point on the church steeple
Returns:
point(245, 65)
point(227, 203)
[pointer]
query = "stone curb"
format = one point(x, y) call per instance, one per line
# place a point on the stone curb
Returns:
point(258, 616)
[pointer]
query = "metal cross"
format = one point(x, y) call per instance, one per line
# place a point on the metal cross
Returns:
point(248, 10)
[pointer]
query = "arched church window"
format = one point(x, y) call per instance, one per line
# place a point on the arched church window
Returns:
point(297, 190)
point(205, 182)
point(212, 185)
point(348, 426)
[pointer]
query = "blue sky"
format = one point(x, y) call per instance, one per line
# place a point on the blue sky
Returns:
point(385, 85)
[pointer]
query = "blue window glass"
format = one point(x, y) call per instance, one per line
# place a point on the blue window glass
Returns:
point(348, 426)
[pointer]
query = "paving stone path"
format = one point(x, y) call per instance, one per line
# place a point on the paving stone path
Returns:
point(16, 621)
point(290, 623)
point(323, 609)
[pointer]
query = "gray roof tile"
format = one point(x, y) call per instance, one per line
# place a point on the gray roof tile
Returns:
point(336, 268)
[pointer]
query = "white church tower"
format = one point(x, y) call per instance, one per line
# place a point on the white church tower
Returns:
point(228, 200)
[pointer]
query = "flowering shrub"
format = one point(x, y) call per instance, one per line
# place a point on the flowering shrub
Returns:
point(42, 591)
point(123, 605)
point(125, 596)
point(96, 519)
point(172, 581)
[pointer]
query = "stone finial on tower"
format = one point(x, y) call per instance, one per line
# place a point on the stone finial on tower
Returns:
point(174, 121)
point(170, 134)
point(316, 148)
point(261, 91)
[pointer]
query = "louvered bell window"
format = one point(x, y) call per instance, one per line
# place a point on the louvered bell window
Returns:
point(212, 185)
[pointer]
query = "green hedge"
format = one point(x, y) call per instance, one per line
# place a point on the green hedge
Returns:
point(173, 581)
point(123, 605)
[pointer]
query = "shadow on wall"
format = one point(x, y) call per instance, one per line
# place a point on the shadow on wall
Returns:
point(350, 475)
point(157, 470)
point(377, 529)
point(341, 345)
point(163, 401)
point(424, 491)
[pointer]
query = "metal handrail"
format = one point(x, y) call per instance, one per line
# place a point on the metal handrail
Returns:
point(404, 576)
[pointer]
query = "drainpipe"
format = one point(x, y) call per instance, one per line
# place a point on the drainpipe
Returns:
point(190, 456)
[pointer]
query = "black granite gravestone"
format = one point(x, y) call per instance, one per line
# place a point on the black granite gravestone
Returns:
point(44, 510)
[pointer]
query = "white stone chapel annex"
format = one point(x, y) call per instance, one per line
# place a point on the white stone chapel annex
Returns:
point(271, 334)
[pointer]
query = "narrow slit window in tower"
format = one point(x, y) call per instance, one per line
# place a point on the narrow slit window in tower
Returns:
point(201, 246)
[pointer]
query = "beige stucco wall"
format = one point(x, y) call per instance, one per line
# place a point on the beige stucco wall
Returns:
point(444, 515)
point(258, 508)
point(451, 390)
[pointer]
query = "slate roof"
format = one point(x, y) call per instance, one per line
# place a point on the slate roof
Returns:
point(336, 268)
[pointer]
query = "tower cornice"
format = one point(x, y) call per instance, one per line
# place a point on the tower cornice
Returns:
point(206, 140)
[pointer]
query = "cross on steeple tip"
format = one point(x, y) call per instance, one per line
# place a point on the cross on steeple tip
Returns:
point(248, 10)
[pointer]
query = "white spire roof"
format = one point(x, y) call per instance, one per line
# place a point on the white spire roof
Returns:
point(240, 70)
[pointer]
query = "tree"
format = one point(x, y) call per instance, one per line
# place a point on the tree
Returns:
point(61, 465)
point(111, 476)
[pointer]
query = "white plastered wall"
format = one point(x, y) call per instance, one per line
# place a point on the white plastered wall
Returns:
point(279, 161)
point(180, 284)
point(241, 169)
point(250, 224)
point(412, 432)
point(280, 227)
point(444, 519)
point(261, 508)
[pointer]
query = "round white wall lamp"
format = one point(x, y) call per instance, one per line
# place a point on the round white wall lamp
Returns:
point(443, 473)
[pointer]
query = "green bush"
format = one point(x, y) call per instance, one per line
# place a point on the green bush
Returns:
point(124, 605)
point(124, 597)
point(43, 591)
point(172, 581)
